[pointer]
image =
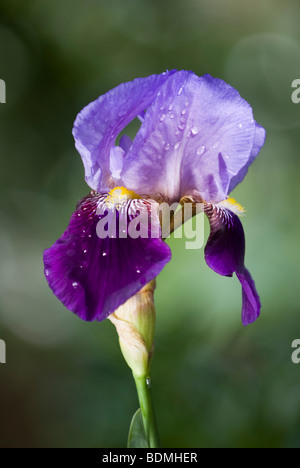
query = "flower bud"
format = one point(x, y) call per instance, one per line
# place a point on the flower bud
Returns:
point(135, 324)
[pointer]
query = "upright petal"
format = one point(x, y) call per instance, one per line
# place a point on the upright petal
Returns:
point(93, 273)
point(197, 135)
point(97, 125)
point(225, 252)
point(258, 143)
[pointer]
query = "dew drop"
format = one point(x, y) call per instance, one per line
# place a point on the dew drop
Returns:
point(201, 150)
point(186, 103)
point(85, 251)
point(167, 147)
point(75, 285)
point(47, 272)
point(183, 111)
point(180, 90)
point(170, 107)
point(138, 271)
point(148, 382)
point(176, 146)
point(162, 118)
point(177, 132)
point(195, 131)
point(104, 254)
point(172, 116)
point(181, 126)
point(240, 125)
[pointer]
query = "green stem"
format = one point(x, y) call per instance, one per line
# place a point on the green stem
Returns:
point(144, 393)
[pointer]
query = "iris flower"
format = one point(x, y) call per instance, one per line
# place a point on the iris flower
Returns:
point(196, 141)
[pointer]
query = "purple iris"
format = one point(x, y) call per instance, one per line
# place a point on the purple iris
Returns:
point(197, 139)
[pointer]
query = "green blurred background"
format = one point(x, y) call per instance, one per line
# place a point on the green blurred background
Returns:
point(215, 383)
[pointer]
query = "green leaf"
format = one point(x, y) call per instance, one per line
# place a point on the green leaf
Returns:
point(137, 437)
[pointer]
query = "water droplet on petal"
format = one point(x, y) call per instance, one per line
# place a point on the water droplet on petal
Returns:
point(167, 147)
point(162, 118)
point(186, 103)
point(240, 125)
point(172, 116)
point(181, 126)
point(183, 111)
point(75, 285)
point(201, 150)
point(170, 107)
point(47, 272)
point(104, 254)
point(176, 146)
point(148, 382)
point(180, 90)
point(195, 130)
point(138, 271)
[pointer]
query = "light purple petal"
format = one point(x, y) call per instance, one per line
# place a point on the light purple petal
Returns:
point(125, 143)
point(197, 135)
point(97, 125)
point(259, 141)
point(251, 302)
point(93, 276)
point(225, 252)
point(116, 162)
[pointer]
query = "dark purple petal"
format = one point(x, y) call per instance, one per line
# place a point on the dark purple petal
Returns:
point(98, 125)
point(197, 135)
point(225, 248)
point(93, 276)
point(225, 252)
point(251, 302)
